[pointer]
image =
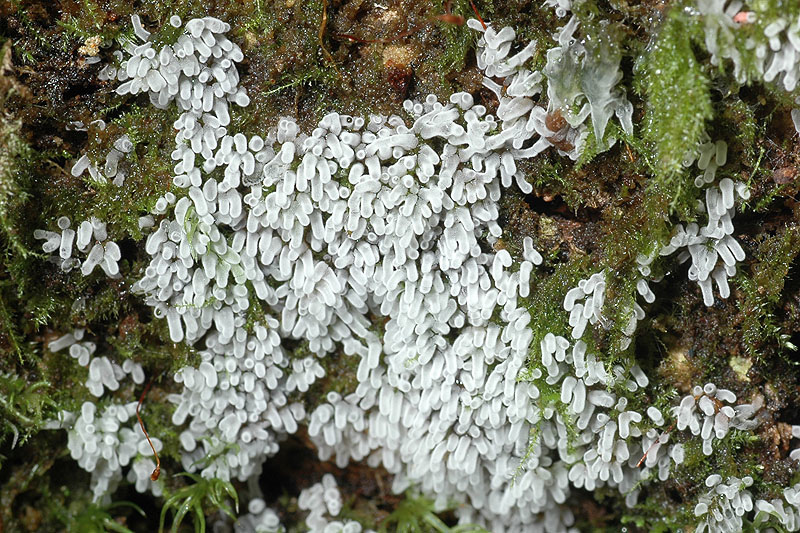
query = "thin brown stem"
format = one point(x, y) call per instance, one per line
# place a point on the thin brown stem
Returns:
point(323, 25)
point(157, 471)
point(653, 445)
point(475, 9)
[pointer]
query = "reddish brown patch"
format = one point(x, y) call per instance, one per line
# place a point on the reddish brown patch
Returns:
point(398, 76)
point(555, 121)
point(456, 20)
point(563, 145)
point(784, 176)
point(128, 324)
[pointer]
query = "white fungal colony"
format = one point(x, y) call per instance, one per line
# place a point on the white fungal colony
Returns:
point(726, 505)
point(122, 146)
point(580, 85)
point(706, 245)
point(97, 440)
point(103, 446)
point(394, 220)
point(103, 373)
point(103, 255)
point(722, 508)
point(259, 519)
point(324, 502)
point(785, 511)
point(776, 59)
point(562, 6)
point(715, 418)
point(583, 83)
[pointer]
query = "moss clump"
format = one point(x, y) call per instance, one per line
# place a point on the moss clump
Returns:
point(762, 292)
point(417, 514)
point(546, 304)
point(459, 40)
point(24, 408)
point(679, 102)
point(97, 518)
point(198, 499)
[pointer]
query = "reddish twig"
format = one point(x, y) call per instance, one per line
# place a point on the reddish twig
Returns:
point(475, 9)
point(449, 18)
point(630, 154)
point(157, 471)
point(653, 445)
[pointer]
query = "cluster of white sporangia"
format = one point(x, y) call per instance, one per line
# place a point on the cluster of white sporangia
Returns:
point(775, 57)
point(580, 85)
point(323, 501)
point(562, 6)
point(366, 218)
point(726, 506)
point(721, 509)
point(103, 255)
point(706, 245)
point(103, 373)
point(258, 519)
point(715, 418)
point(98, 440)
point(583, 83)
point(122, 146)
point(786, 510)
point(321, 230)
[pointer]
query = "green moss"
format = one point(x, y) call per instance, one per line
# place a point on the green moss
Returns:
point(198, 500)
point(418, 514)
point(459, 40)
point(546, 304)
point(654, 515)
point(15, 177)
point(678, 102)
point(148, 343)
point(638, 228)
point(97, 518)
point(18, 172)
point(762, 292)
point(148, 168)
point(549, 172)
point(740, 119)
point(24, 408)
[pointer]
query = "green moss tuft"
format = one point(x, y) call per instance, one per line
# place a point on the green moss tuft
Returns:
point(23, 409)
point(678, 101)
point(762, 292)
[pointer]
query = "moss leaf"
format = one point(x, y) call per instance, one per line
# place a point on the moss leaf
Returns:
point(678, 100)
